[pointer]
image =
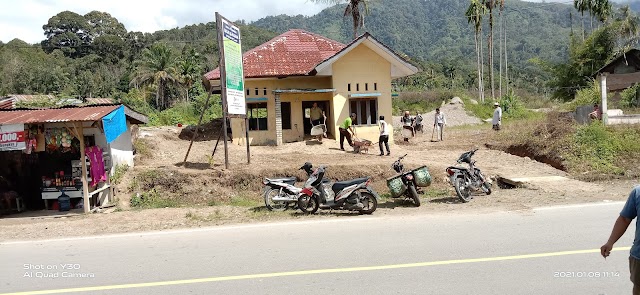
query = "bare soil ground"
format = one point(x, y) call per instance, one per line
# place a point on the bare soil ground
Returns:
point(203, 183)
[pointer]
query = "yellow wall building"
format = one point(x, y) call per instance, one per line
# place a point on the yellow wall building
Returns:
point(286, 75)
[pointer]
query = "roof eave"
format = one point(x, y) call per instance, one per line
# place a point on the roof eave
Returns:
point(406, 67)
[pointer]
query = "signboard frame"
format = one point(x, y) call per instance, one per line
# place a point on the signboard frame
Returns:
point(232, 82)
point(12, 137)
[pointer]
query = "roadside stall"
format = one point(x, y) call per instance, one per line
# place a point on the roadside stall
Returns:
point(62, 158)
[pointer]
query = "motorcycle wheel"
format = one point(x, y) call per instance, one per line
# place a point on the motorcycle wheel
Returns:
point(308, 204)
point(414, 195)
point(464, 193)
point(369, 201)
point(486, 187)
point(273, 205)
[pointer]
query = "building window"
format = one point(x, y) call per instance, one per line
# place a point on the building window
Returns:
point(285, 109)
point(366, 86)
point(375, 86)
point(248, 91)
point(366, 111)
point(264, 91)
point(349, 87)
point(257, 93)
point(257, 114)
point(357, 86)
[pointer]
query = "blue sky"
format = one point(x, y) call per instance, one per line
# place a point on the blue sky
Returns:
point(24, 18)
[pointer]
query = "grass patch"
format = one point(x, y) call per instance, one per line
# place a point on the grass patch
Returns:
point(142, 148)
point(120, 171)
point(152, 199)
point(436, 193)
point(590, 152)
point(244, 201)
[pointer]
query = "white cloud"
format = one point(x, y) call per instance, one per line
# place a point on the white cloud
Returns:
point(24, 19)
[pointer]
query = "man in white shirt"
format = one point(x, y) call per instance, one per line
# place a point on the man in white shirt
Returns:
point(497, 116)
point(384, 136)
point(439, 122)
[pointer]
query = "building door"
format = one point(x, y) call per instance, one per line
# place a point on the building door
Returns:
point(306, 111)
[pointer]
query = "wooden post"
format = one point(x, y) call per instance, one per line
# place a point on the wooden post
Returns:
point(85, 185)
point(603, 91)
point(246, 131)
point(223, 86)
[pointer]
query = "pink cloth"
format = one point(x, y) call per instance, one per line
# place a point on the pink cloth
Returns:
point(98, 174)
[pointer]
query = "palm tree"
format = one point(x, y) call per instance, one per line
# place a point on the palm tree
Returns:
point(490, 4)
point(582, 6)
point(189, 70)
point(501, 21)
point(601, 9)
point(156, 68)
point(357, 9)
point(627, 26)
point(474, 15)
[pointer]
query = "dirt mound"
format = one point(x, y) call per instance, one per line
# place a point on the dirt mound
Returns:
point(206, 132)
point(455, 114)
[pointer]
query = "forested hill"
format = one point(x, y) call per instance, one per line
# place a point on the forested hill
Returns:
point(437, 29)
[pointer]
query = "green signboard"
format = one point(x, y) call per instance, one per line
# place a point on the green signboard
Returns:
point(233, 69)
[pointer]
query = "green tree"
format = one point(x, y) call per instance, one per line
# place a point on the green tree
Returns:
point(102, 23)
point(69, 32)
point(491, 4)
point(357, 9)
point(156, 68)
point(474, 14)
point(189, 69)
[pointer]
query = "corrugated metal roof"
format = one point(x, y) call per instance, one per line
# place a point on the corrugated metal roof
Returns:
point(6, 104)
point(98, 100)
point(76, 114)
point(294, 53)
point(23, 97)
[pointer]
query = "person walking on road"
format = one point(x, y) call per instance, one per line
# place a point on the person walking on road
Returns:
point(439, 123)
point(497, 116)
point(384, 136)
point(628, 213)
point(346, 130)
point(407, 123)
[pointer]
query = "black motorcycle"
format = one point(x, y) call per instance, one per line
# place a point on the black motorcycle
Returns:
point(407, 187)
point(465, 180)
point(352, 195)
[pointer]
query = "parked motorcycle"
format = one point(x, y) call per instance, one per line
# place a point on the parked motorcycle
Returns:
point(465, 180)
point(352, 195)
point(403, 184)
point(281, 193)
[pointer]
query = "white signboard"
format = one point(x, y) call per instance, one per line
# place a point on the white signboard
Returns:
point(12, 137)
point(233, 67)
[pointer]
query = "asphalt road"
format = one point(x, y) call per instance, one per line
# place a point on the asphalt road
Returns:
point(547, 251)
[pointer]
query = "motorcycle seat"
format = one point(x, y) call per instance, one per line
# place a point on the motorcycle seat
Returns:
point(338, 186)
point(287, 180)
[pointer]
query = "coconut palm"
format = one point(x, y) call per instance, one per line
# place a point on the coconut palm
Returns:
point(474, 14)
point(582, 6)
point(491, 4)
point(156, 67)
point(501, 21)
point(189, 70)
point(357, 9)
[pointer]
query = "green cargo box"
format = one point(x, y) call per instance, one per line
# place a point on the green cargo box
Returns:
point(422, 176)
point(396, 186)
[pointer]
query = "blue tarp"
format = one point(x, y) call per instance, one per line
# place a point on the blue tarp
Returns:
point(115, 123)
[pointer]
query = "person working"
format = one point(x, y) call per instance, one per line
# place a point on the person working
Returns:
point(628, 213)
point(439, 123)
point(596, 114)
point(497, 116)
point(407, 123)
point(384, 136)
point(315, 115)
point(418, 122)
point(345, 128)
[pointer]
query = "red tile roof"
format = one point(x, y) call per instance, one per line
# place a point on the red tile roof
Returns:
point(55, 115)
point(294, 53)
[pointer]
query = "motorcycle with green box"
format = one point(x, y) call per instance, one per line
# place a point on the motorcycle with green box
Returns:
point(407, 184)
